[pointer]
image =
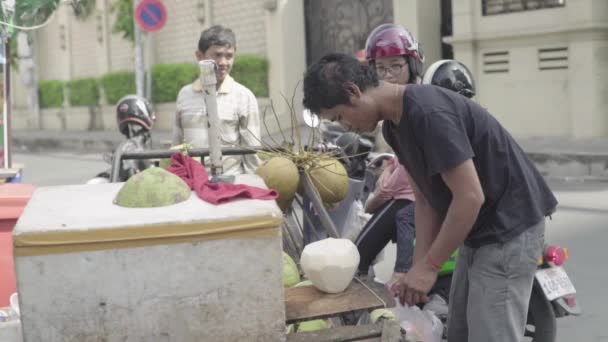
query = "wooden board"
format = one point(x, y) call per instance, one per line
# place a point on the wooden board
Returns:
point(305, 303)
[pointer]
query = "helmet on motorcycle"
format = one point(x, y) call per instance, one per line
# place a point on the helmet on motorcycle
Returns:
point(388, 40)
point(451, 74)
point(134, 109)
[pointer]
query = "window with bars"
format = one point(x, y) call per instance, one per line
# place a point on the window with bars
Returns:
point(494, 7)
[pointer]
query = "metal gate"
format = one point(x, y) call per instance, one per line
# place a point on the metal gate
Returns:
point(342, 25)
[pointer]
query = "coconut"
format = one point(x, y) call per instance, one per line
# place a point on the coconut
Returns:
point(330, 263)
point(330, 179)
point(304, 283)
point(380, 314)
point(282, 175)
point(153, 187)
point(314, 325)
point(291, 274)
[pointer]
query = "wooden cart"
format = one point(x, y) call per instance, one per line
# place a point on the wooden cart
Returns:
point(306, 303)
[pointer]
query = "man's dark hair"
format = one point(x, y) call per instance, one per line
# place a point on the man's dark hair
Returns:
point(324, 81)
point(216, 35)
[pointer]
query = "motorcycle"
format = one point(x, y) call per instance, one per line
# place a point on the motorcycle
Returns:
point(127, 168)
point(135, 118)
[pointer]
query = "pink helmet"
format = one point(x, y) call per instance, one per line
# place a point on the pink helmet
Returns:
point(388, 40)
point(361, 56)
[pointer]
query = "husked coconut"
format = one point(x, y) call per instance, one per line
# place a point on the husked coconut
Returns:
point(282, 175)
point(330, 179)
point(153, 187)
point(330, 264)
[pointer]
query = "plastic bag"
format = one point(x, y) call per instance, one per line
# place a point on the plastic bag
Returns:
point(356, 218)
point(419, 325)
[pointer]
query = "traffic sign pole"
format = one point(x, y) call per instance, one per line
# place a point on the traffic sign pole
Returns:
point(139, 63)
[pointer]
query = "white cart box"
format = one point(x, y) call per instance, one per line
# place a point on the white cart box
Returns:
point(88, 270)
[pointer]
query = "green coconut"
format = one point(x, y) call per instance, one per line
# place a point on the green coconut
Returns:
point(153, 187)
point(380, 314)
point(304, 283)
point(330, 179)
point(282, 175)
point(291, 274)
point(314, 325)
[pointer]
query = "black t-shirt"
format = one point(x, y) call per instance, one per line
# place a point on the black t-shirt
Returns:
point(440, 129)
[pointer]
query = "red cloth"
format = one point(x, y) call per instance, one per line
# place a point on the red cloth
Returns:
point(195, 175)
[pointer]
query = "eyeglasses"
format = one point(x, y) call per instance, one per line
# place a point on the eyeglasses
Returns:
point(393, 69)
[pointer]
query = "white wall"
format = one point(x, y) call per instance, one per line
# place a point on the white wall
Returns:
point(527, 100)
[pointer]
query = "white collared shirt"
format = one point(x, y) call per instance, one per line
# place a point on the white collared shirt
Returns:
point(239, 122)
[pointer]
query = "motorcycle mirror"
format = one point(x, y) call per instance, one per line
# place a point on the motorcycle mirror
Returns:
point(311, 120)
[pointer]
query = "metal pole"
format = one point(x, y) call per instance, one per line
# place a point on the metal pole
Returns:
point(6, 115)
point(317, 203)
point(139, 57)
point(209, 81)
point(148, 62)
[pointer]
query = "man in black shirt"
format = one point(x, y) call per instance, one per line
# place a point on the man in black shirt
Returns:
point(475, 189)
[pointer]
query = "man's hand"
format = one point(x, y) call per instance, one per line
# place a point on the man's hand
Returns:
point(414, 286)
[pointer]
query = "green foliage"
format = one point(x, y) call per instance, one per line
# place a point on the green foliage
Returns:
point(83, 92)
point(13, 56)
point(252, 72)
point(118, 84)
point(124, 19)
point(29, 13)
point(50, 94)
point(168, 79)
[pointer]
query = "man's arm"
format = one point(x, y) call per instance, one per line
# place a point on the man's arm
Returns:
point(427, 224)
point(250, 132)
point(467, 199)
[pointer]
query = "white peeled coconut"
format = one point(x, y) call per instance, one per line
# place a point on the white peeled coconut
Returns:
point(153, 187)
point(282, 175)
point(330, 264)
point(291, 274)
point(330, 179)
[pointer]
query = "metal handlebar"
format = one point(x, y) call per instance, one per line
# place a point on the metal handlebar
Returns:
point(119, 156)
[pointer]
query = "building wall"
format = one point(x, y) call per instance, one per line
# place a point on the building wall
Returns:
point(50, 49)
point(514, 58)
point(247, 19)
point(122, 51)
point(423, 19)
point(84, 48)
point(556, 102)
point(177, 41)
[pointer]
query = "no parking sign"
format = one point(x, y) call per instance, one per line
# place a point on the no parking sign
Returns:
point(150, 15)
